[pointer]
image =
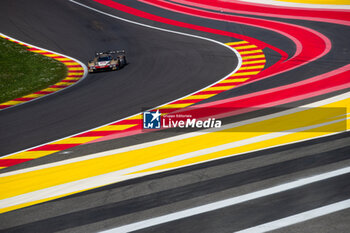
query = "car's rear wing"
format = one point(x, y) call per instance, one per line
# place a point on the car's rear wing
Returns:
point(110, 52)
point(120, 51)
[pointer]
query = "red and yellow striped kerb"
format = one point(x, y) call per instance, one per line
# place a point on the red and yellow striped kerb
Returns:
point(75, 73)
point(253, 61)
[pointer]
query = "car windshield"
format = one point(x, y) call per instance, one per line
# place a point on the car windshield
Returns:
point(104, 58)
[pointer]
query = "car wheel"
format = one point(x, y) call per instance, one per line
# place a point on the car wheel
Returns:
point(121, 62)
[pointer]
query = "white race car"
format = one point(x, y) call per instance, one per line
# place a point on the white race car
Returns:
point(111, 60)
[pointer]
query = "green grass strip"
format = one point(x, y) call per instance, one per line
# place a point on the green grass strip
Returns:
point(23, 72)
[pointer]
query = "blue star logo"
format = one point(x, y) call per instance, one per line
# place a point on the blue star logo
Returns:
point(152, 120)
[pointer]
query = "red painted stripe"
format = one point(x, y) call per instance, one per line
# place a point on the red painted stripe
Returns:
point(59, 56)
point(11, 162)
point(323, 15)
point(252, 54)
point(73, 65)
point(128, 122)
point(75, 71)
point(209, 92)
point(5, 106)
point(49, 147)
point(33, 49)
point(45, 53)
point(44, 92)
point(58, 86)
point(69, 81)
point(96, 133)
point(74, 75)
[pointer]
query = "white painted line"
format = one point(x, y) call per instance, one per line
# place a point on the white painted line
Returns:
point(300, 5)
point(120, 175)
point(37, 47)
point(152, 27)
point(302, 217)
point(193, 134)
point(225, 203)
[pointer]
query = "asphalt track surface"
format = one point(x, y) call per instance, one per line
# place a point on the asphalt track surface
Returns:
point(168, 192)
point(162, 67)
point(71, 30)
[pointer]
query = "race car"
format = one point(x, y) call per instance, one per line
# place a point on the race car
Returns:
point(111, 60)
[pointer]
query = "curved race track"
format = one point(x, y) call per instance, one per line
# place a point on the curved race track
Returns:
point(163, 67)
point(307, 55)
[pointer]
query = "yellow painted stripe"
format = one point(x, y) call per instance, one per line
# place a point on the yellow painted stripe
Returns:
point(238, 43)
point(236, 80)
point(18, 184)
point(254, 146)
point(114, 127)
point(245, 73)
point(175, 106)
point(245, 47)
point(12, 102)
point(51, 89)
point(30, 154)
point(253, 62)
point(63, 84)
point(250, 52)
point(219, 88)
point(196, 97)
point(33, 95)
point(252, 67)
point(39, 179)
point(137, 117)
point(38, 51)
point(75, 73)
point(64, 59)
point(71, 63)
point(253, 57)
point(52, 55)
point(75, 68)
point(75, 140)
point(2, 167)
